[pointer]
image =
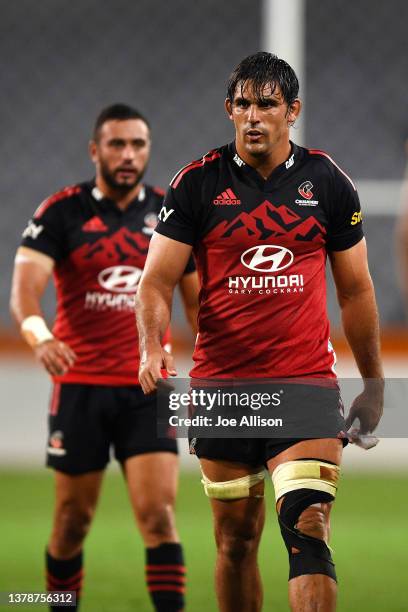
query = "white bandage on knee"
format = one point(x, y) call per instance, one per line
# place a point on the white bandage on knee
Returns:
point(35, 331)
point(233, 489)
point(305, 474)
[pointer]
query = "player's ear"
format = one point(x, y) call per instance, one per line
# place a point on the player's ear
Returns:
point(92, 150)
point(293, 111)
point(228, 108)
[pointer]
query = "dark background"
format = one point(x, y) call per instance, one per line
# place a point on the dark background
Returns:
point(61, 62)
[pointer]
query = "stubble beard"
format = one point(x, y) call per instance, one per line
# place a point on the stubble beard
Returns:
point(109, 178)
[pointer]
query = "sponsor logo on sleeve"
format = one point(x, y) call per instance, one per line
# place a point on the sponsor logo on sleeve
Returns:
point(357, 217)
point(164, 214)
point(32, 230)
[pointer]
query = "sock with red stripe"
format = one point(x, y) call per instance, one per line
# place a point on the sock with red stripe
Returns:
point(165, 577)
point(64, 575)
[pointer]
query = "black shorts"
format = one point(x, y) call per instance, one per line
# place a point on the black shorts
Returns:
point(85, 421)
point(309, 411)
point(255, 452)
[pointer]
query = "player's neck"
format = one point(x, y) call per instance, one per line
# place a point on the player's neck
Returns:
point(121, 199)
point(265, 164)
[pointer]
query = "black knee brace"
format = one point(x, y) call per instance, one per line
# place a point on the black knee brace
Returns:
point(314, 555)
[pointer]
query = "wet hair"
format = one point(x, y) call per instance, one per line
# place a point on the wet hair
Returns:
point(118, 112)
point(262, 69)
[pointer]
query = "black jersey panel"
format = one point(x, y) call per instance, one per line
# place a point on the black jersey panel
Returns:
point(345, 220)
point(176, 219)
point(45, 232)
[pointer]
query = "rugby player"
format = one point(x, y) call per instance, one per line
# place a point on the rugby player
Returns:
point(94, 238)
point(262, 214)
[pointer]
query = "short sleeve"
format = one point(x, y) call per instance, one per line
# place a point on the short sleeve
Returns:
point(345, 217)
point(44, 231)
point(177, 218)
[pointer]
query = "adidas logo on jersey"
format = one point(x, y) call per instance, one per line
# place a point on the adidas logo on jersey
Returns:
point(95, 224)
point(227, 198)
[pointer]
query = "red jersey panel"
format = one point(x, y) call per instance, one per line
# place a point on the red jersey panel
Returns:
point(100, 252)
point(260, 248)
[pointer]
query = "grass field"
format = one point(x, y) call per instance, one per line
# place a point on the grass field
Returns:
point(369, 531)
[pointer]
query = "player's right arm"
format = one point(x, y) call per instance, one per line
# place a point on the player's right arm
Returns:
point(43, 245)
point(165, 264)
point(32, 271)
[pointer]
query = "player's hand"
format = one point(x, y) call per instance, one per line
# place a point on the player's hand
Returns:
point(368, 409)
point(151, 364)
point(57, 357)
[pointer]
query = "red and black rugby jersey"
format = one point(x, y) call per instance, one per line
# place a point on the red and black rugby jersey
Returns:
point(100, 252)
point(260, 248)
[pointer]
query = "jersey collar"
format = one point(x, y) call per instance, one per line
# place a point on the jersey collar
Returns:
point(279, 173)
point(107, 204)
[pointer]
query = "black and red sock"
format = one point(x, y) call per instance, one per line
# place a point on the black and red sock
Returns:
point(166, 577)
point(65, 575)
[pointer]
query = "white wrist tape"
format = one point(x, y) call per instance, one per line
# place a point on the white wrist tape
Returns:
point(35, 331)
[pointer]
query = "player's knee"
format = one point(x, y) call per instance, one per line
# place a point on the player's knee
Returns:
point(237, 546)
point(305, 490)
point(156, 520)
point(72, 523)
point(238, 539)
point(314, 521)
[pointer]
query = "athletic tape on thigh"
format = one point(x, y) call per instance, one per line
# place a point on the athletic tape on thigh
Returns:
point(305, 474)
point(232, 489)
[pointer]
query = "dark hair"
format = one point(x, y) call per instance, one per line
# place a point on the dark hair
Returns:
point(264, 69)
point(120, 112)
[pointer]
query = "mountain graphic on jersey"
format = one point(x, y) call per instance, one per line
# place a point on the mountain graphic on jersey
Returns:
point(268, 221)
point(119, 247)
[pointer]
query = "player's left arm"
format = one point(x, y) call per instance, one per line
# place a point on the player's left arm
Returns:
point(356, 297)
point(189, 288)
point(166, 261)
